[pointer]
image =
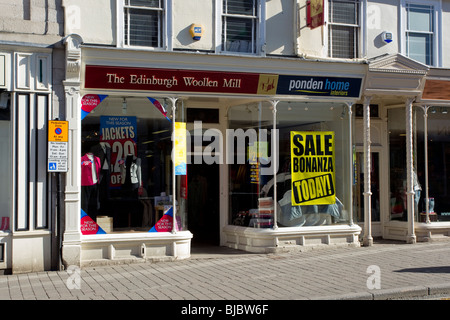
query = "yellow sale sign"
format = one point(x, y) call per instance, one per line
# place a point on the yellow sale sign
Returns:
point(313, 168)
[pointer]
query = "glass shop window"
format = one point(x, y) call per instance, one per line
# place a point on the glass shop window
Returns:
point(312, 186)
point(126, 167)
point(5, 163)
point(438, 164)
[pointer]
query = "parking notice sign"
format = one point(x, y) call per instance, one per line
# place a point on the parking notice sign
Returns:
point(58, 131)
point(313, 168)
point(58, 138)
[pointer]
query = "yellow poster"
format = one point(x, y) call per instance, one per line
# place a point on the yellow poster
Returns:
point(180, 156)
point(313, 168)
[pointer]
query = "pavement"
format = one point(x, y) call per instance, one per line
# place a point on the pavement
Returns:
point(384, 271)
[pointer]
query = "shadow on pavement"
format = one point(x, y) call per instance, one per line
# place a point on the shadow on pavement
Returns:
point(443, 269)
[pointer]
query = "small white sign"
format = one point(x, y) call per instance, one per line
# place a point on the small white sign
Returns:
point(57, 156)
point(57, 146)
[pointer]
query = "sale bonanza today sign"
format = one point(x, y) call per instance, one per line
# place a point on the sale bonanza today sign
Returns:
point(313, 168)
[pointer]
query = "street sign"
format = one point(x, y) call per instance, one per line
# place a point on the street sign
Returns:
point(58, 140)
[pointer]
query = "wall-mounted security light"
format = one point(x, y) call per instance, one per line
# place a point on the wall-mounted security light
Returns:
point(387, 36)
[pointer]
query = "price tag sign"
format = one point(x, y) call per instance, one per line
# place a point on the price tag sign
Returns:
point(58, 140)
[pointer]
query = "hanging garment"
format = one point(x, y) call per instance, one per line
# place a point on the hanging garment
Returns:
point(131, 172)
point(90, 169)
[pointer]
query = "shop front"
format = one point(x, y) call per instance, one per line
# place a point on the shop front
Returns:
point(403, 170)
point(431, 151)
point(182, 149)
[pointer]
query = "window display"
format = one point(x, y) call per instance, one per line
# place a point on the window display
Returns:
point(5, 164)
point(126, 167)
point(312, 178)
point(438, 144)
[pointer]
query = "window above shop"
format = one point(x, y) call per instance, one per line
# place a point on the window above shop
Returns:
point(141, 23)
point(343, 28)
point(241, 26)
point(420, 33)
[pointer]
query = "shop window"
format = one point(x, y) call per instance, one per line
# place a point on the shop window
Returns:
point(420, 33)
point(437, 164)
point(126, 167)
point(343, 28)
point(307, 201)
point(5, 163)
point(249, 166)
point(397, 163)
point(143, 23)
point(240, 26)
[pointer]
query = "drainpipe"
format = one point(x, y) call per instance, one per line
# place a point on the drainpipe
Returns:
point(368, 240)
point(411, 237)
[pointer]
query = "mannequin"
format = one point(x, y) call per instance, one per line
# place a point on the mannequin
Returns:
point(90, 170)
point(102, 150)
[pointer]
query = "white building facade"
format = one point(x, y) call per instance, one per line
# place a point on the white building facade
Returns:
point(224, 66)
point(297, 124)
point(31, 66)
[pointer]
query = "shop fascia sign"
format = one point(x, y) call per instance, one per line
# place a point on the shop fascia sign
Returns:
point(179, 80)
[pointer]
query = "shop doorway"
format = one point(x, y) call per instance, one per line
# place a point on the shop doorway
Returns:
point(203, 204)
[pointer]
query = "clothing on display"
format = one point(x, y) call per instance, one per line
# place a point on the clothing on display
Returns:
point(131, 172)
point(103, 151)
point(90, 171)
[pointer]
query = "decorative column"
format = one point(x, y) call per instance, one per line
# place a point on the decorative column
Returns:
point(275, 162)
point(368, 240)
point(411, 237)
point(173, 101)
point(350, 161)
point(71, 244)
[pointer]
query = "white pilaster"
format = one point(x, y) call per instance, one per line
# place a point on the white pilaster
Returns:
point(71, 246)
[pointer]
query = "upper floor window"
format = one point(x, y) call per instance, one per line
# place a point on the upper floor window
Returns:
point(343, 28)
point(143, 23)
point(240, 26)
point(420, 33)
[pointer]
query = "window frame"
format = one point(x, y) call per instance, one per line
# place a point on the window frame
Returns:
point(165, 24)
point(258, 34)
point(357, 28)
point(436, 47)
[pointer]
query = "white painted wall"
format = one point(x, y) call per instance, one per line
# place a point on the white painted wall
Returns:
point(185, 14)
point(382, 15)
point(94, 21)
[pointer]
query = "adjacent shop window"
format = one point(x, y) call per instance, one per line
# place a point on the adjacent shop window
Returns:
point(311, 188)
point(397, 163)
point(420, 33)
point(5, 163)
point(126, 167)
point(240, 26)
point(343, 28)
point(143, 23)
point(437, 164)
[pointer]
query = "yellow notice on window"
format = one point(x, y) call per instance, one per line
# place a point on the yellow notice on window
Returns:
point(313, 168)
point(180, 155)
